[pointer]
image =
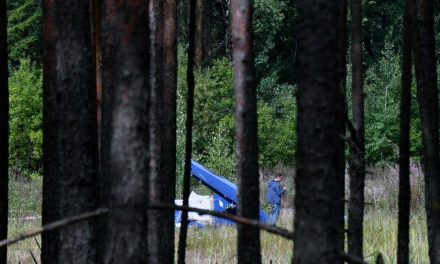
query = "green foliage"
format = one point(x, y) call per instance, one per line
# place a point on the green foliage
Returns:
point(276, 122)
point(213, 131)
point(24, 30)
point(268, 21)
point(382, 25)
point(219, 156)
point(382, 87)
point(26, 111)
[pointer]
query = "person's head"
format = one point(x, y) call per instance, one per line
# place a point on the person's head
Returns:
point(278, 177)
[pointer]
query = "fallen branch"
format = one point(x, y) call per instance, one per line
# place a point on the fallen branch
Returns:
point(55, 225)
point(241, 220)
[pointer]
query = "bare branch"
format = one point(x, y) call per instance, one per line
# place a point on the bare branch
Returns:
point(54, 225)
point(38, 244)
point(33, 257)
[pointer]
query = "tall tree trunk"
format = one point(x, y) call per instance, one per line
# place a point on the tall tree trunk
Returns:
point(427, 94)
point(188, 137)
point(70, 101)
point(50, 240)
point(4, 130)
point(317, 231)
point(126, 92)
point(103, 130)
point(248, 250)
point(198, 37)
point(97, 37)
point(404, 144)
point(342, 121)
point(207, 30)
point(357, 145)
point(159, 222)
point(169, 122)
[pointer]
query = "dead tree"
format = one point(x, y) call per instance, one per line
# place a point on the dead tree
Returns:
point(125, 92)
point(70, 162)
point(248, 250)
point(427, 95)
point(357, 144)
point(317, 226)
point(404, 144)
point(4, 128)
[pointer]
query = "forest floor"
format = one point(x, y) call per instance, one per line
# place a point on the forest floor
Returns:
point(218, 245)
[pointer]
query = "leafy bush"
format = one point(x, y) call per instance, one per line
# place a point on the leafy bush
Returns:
point(26, 112)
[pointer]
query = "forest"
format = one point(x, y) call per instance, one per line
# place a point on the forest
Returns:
point(378, 134)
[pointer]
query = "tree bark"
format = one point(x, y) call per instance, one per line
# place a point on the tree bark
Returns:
point(169, 123)
point(126, 93)
point(4, 130)
point(97, 37)
point(160, 223)
point(71, 154)
point(198, 37)
point(427, 94)
point(317, 231)
point(248, 243)
point(188, 137)
point(50, 240)
point(207, 30)
point(342, 121)
point(357, 144)
point(404, 144)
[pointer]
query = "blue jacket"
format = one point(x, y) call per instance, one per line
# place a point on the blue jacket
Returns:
point(274, 192)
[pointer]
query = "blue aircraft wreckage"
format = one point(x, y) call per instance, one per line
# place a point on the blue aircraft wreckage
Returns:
point(224, 199)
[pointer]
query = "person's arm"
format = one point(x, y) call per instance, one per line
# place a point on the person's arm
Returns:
point(279, 190)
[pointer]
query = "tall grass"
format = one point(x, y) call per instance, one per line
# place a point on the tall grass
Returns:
point(218, 244)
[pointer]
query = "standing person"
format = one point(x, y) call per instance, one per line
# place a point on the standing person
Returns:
point(273, 197)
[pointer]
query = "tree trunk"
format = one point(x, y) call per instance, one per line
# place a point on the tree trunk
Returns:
point(404, 144)
point(248, 250)
point(342, 121)
point(160, 223)
point(50, 240)
point(169, 122)
point(427, 94)
point(97, 37)
point(317, 230)
point(188, 137)
point(71, 154)
point(198, 37)
point(126, 92)
point(357, 144)
point(207, 30)
point(4, 130)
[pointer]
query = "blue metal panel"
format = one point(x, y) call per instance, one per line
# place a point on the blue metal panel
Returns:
point(221, 186)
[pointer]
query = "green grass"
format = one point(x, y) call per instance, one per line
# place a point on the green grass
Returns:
point(20, 252)
point(218, 245)
point(380, 235)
